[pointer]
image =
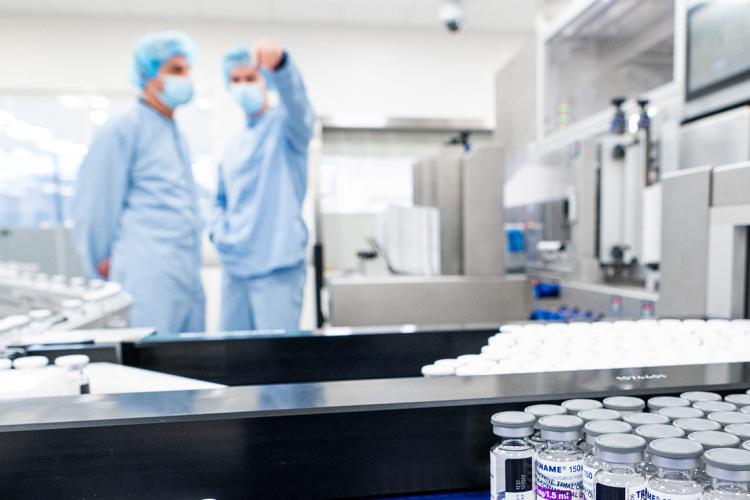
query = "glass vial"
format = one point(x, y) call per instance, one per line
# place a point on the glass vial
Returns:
point(591, 462)
point(619, 478)
point(512, 459)
point(540, 411)
point(729, 470)
point(559, 464)
point(675, 459)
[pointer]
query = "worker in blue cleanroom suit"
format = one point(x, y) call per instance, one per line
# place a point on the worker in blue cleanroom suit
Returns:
point(135, 211)
point(259, 232)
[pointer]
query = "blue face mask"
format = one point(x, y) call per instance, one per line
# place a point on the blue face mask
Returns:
point(249, 96)
point(177, 90)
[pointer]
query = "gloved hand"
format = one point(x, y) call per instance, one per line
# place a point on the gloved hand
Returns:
point(267, 54)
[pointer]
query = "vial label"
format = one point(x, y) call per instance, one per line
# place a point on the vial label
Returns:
point(588, 481)
point(604, 492)
point(559, 480)
point(511, 478)
point(652, 494)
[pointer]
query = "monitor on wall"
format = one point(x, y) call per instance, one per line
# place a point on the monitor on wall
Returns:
point(718, 46)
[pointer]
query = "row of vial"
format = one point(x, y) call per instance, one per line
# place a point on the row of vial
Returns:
point(73, 366)
point(696, 446)
point(588, 346)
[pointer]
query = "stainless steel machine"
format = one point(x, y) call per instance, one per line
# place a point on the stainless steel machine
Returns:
point(467, 190)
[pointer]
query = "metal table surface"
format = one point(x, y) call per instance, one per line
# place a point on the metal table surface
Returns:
point(345, 439)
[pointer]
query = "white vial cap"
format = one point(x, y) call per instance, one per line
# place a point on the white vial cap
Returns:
point(71, 303)
point(77, 281)
point(435, 371)
point(560, 427)
point(729, 417)
point(695, 396)
point(714, 406)
point(715, 439)
point(659, 402)
point(599, 414)
point(543, 410)
point(39, 314)
point(676, 412)
point(449, 362)
point(620, 448)
point(468, 358)
point(739, 400)
point(30, 362)
point(5, 364)
point(742, 431)
point(624, 403)
point(597, 428)
point(658, 431)
point(638, 419)
point(573, 406)
point(675, 453)
point(513, 424)
point(72, 361)
point(728, 464)
point(696, 424)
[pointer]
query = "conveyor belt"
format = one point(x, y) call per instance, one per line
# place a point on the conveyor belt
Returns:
point(365, 438)
point(245, 358)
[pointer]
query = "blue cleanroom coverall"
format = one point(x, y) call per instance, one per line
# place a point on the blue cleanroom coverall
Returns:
point(259, 232)
point(136, 202)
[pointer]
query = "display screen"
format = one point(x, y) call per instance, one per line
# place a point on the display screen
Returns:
point(718, 46)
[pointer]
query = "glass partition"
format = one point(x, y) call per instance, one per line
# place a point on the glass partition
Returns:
point(614, 48)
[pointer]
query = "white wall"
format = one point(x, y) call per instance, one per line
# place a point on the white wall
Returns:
point(349, 71)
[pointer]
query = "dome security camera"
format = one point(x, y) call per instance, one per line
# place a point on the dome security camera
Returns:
point(451, 14)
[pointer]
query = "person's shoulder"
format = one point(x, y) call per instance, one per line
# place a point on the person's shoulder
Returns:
point(123, 123)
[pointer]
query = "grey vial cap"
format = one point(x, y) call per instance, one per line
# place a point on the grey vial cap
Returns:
point(712, 406)
point(560, 427)
point(638, 419)
point(742, 431)
point(573, 406)
point(728, 464)
point(513, 424)
point(544, 410)
point(675, 453)
point(624, 403)
point(597, 428)
point(696, 424)
point(675, 412)
point(715, 439)
point(599, 414)
point(659, 402)
point(746, 445)
point(695, 396)
point(738, 399)
point(729, 417)
point(620, 448)
point(658, 431)
point(745, 409)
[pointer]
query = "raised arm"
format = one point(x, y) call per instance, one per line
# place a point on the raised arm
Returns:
point(300, 118)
